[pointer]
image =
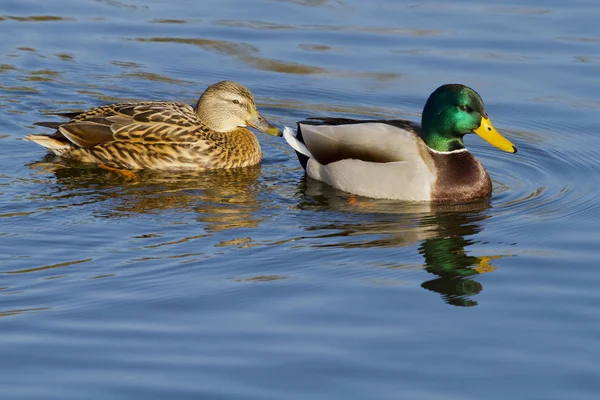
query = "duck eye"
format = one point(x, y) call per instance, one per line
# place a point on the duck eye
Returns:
point(235, 101)
point(464, 108)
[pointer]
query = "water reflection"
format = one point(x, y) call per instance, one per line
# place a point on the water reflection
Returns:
point(220, 199)
point(443, 233)
point(445, 255)
point(10, 313)
point(244, 52)
point(249, 55)
point(227, 199)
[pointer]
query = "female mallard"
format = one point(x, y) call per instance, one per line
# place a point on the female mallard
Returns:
point(397, 159)
point(164, 134)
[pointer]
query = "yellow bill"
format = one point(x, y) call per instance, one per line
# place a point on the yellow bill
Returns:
point(487, 131)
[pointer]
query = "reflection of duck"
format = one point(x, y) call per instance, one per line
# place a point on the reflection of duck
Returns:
point(444, 234)
point(445, 255)
point(222, 199)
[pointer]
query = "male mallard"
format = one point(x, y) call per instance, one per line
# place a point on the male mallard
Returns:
point(164, 134)
point(397, 159)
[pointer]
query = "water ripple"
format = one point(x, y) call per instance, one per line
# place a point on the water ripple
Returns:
point(546, 181)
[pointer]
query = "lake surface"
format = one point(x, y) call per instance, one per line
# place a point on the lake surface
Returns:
point(261, 284)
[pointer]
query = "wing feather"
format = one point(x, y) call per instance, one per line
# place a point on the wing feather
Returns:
point(86, 134)
point(370, 141)
point(146, 122)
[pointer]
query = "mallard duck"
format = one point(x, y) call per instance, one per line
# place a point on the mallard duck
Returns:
point(164, 134)
point(397, 159)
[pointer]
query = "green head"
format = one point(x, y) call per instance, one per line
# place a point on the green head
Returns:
point(451, 112)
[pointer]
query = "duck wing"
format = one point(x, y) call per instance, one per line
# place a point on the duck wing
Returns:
point(379, 141)
point(373, 158)
point(145, 123)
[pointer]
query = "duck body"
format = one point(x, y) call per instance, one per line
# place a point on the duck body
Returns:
point(390, 159)
point(163, 134)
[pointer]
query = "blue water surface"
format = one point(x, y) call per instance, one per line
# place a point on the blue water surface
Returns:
point(263, 284)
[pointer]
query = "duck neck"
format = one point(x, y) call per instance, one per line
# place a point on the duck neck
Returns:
point(439, 142)
point(214, 117)
point(437, 132)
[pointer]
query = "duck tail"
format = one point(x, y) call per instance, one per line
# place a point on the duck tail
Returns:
point(295, 141)
point(49, 124)
point(52, 144)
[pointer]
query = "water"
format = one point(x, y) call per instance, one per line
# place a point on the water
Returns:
point(260, 284)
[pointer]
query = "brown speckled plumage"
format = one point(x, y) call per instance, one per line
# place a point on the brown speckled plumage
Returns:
point(162, 134)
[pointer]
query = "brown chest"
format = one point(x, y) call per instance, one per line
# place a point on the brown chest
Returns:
point(235, 149)
point(460, 178)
